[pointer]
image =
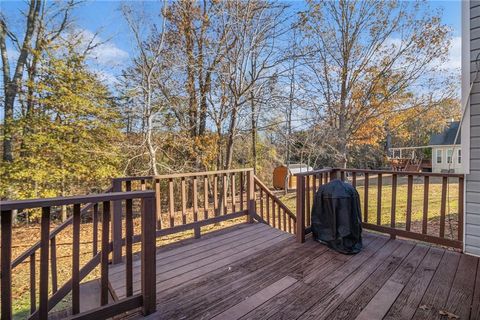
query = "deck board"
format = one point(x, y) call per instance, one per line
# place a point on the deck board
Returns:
point(258, 272)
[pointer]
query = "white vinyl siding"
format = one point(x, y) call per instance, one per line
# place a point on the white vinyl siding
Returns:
point(470, 51)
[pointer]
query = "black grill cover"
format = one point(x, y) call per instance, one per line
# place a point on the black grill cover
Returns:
point(337, 218)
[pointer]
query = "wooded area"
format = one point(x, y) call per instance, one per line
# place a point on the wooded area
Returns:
point(217, 85)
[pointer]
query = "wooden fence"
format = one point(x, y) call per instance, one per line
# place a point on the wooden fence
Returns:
point(308, 182)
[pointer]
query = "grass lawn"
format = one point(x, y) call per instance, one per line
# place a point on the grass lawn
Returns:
point(434, 203)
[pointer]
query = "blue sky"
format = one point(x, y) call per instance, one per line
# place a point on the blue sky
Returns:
point(105, 18)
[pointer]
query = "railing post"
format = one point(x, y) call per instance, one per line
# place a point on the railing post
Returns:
point(148, 256)
point(250, 196)
point(117, 224)
point(300, 209)
point(6, 262)
point(44, 242)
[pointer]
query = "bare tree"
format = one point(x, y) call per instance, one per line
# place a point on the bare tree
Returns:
point(144, 75)
point(12, 82)
point(353, 47)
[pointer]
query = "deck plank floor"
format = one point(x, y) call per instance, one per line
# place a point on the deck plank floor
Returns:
point(254, 271)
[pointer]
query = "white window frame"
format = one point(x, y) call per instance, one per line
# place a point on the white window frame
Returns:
point(438, 153)
point(459, 156)
point(449, 156)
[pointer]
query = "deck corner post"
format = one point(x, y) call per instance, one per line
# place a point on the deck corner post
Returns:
point(250, 196)
point(117, 224)
point(148, 256)
point(6, 264)
point(300, 210)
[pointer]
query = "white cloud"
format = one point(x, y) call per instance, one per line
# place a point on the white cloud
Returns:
point(106, 53)
point(454, 61)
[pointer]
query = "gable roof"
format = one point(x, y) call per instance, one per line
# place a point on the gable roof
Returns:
point(446, 137)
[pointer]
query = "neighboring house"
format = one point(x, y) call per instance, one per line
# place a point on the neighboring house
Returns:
point(471, 123)
point(446, 154)
point(283, 176)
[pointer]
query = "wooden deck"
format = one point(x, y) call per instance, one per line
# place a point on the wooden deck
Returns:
point(254, 271)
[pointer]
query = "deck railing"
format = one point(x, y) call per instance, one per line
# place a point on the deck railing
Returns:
point(168, 204)
point(101, 205)
point(272, 210)
point(416, 188)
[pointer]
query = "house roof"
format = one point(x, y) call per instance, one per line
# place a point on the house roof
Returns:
point(298, 167)
point(447, 136)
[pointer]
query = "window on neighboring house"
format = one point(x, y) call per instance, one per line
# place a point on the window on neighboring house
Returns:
point(459, 156)
point(449, 155)
point(439, 155)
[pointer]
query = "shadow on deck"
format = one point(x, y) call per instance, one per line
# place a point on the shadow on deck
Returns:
point(253, 271)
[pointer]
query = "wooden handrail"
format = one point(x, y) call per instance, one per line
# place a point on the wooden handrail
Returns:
point(400, 173)
point(184, 175)
point(276, 213)
point(61, 201)
point(270, 193)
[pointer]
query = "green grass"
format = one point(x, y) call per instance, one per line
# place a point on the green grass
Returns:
point(434, 203)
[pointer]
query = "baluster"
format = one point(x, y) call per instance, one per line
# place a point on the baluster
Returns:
point(460, 208)
point(307, 200)
point(205, 197)
point(284, 220)
point(365, 199)
point(394, 203)
point(75, 260)
point(104, 258)
point(279, 217)
point(342, 175)
point(314, 186)
point(215, 195)
point(44, 242)
point(33, 284)
point(273, 214)
point(241, 190)
point(53, 264)
point(233, 192)
point(6, 264)
point(128, 246)
point(261, 203)
point(379, 199)
point(195, 199)
point(443, 205)
point(289, 224)
point(171, 204)
point(224, 194)
point(184, 202)
point(354, 179)
point(158, 204)
point(409, 202)
point(143, 185)
point(95, 228)
point(426, 186)
point(268, 208)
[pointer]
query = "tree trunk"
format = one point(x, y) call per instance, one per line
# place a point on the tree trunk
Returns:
point(254, 133)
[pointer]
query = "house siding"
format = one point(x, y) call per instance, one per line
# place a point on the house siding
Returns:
point(471, 125)
point(444, 166)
